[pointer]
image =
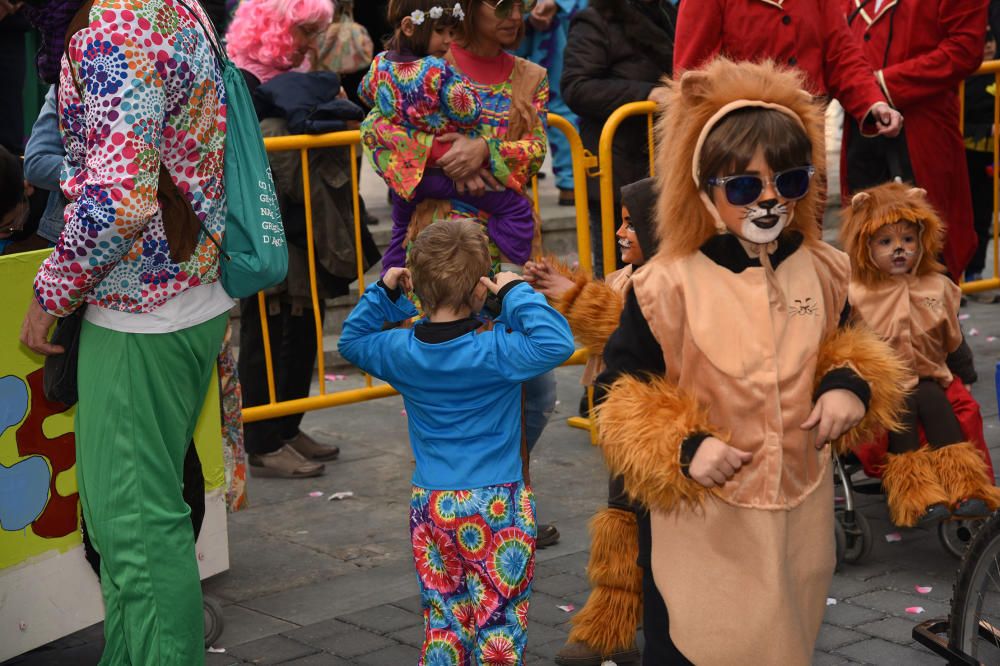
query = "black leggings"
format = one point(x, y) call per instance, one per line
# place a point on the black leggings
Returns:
point(927, 405)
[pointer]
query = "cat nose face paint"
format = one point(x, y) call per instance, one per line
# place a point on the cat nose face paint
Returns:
point(895, 247)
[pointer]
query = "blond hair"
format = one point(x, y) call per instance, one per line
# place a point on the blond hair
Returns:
point(446, 260)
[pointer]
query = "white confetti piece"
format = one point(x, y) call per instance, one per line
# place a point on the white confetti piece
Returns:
point(342, 495)
point(830, 601)
point(330, 377)
point(215, 650)
point(558, 402)
point(568, 608)
point(963, 316)
point(893, 537)
point(915, 610)
point(973, 331)
point(316, 493)
point(923, 589)
point(990, 338)
point(609, 663)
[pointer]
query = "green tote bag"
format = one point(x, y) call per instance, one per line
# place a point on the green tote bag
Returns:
point(254, 253)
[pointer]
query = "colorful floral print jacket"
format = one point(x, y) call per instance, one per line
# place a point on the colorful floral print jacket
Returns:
point(141, 86)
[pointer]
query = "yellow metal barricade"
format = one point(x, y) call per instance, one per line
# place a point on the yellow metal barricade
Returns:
point(991, 67)
point(582, 161)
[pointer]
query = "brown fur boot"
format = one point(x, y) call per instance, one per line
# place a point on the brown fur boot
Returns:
point(963, 474)
point(608, 621)
point(912, 486)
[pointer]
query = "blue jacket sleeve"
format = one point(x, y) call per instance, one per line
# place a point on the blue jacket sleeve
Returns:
point(363, 340)
point(538, 339)
point(43, 156)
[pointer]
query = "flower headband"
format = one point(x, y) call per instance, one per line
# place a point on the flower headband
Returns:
point(436, 12)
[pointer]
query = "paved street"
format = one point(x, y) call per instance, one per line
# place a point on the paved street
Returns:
point(318, 582)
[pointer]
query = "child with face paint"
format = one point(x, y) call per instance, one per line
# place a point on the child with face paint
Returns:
point(900, 291)
point(604, 629)
point(733, 371)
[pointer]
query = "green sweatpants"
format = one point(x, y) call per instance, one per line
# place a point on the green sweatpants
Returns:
point(140, 397)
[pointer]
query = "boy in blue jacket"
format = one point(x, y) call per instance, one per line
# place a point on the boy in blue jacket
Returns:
point(472, 515)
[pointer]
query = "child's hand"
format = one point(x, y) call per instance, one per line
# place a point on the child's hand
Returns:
point(546, 279)
point(398, 277)
point(836, 412)
point(716, 462)
point(501, 280)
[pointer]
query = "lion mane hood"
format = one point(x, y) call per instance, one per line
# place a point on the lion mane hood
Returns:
point(874, 208)
point(697, 101)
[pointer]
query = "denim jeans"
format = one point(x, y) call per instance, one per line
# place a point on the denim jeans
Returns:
point(539, 403)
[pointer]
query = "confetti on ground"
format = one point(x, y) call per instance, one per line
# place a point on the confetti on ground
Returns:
point(963, 316)
point(343, 494)
point(403, 412)
point(915, 610)
point(568, 608)
point(330, 377)
point(973, 331)
point(893, 537)
point(923, 589)
point(830, 601)
point(316, 493)
point(215, 650)
point(558, 402)
point(990, 338)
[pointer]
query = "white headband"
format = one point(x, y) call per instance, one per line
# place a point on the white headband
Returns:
point(436, 12)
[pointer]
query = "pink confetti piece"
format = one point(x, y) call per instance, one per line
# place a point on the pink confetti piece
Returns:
point(963, 316)
point(402, 412)
point(316, 493)
point(973, 331)
point(990, 338)
point(330, 377)
point(568, 608)
point(915, 610)
point(830, 601)
point(923, 589)
point(893, 537)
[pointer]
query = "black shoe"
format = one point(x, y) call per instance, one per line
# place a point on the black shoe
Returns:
point(584, 409)
point(972, 508)
point(548, 535)
point(369, 220)
point(934, 515)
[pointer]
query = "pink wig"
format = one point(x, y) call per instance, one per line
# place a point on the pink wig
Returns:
point(260, 38)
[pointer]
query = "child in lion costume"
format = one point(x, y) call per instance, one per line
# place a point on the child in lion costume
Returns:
point(899, 290)
point(731, 371)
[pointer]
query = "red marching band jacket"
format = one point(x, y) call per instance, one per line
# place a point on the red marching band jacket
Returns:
point(921, 50)
point(810, 35)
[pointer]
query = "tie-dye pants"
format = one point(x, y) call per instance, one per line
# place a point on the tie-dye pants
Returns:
point(474, 551)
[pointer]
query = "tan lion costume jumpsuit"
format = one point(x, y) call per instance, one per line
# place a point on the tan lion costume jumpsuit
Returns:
point(727, 339)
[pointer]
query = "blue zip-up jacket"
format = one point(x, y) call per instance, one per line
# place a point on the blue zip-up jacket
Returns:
point(462, 396)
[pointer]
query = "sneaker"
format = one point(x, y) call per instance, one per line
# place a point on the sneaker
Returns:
point(972, 508)
point(285, 463)
point(567, 197)
point(311, 449)
point(576, 653)
point(548, 535)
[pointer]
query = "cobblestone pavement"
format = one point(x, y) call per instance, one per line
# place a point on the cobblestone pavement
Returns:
point(327, 583)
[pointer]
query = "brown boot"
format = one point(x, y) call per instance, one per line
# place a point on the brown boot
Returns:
point(912, 487)
point(285, 463)
point(964, 475)
point(312, 449)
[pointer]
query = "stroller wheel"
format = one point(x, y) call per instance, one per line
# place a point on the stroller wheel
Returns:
point(857, 536)
point(840, 540)
point(214, 623)
point(956, 534)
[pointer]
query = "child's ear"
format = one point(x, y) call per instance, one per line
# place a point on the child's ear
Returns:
point(860, 201)
point(916, 193)
point(407, 27)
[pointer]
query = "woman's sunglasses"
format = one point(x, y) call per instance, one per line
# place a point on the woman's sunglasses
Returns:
point(745, 189)
point(503, 8)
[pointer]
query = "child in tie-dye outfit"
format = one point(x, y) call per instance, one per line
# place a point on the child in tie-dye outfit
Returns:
point(424, 98)
point(472, 513)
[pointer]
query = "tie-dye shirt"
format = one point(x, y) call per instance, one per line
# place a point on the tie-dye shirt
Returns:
point(417, 99)
point(152, 92)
